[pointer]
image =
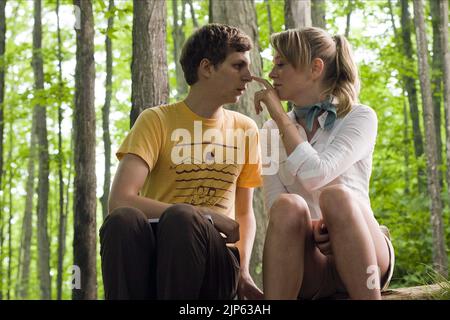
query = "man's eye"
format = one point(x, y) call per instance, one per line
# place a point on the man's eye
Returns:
point(279, 65)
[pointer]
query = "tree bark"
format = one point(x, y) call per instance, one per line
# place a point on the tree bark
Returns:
point(106, 110)
point(443, 27)
point(178, 41)
point(149, 64)
point(194, 19)
point(349, 11)
point(318, 13)
point(10, 209)
point(27, 227)
point(2, 96)
point(43, 182)
point(269, 16)
point(242, 14)
point(2, 79)
point(410, 86)
point(297, 14)
point(84, 206)
point(62, 215)
point(439, 250)
point(436, 82)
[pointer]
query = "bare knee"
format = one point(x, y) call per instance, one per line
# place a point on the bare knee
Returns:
point(289, 212)
point(338, 204)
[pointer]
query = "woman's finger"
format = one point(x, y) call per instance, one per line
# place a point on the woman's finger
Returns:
point(257, 102)
point(321, 238)
point(263, 81)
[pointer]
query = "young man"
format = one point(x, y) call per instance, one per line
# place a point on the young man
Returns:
point(192, 166)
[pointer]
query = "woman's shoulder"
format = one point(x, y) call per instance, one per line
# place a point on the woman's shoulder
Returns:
point(359, 109)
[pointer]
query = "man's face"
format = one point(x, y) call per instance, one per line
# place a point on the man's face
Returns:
point(229, 79)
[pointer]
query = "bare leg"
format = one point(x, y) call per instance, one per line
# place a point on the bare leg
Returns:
point(289, 251)
point(357, 242)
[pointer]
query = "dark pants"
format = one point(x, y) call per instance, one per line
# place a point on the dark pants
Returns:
point(185, 257)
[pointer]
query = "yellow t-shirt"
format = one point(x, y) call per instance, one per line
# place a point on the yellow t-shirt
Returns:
point(195, 160)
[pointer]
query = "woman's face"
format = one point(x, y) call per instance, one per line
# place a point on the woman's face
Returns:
point(290, 83)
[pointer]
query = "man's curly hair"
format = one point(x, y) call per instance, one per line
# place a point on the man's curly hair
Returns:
point(214, 42)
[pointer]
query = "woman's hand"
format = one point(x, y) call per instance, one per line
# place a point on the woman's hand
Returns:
point(322, 238)
point(269, 97)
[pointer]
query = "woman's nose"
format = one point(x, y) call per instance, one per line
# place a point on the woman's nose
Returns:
point(272, 74)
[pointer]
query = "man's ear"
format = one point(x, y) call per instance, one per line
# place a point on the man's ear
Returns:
point(317, 68)
point(205, 68)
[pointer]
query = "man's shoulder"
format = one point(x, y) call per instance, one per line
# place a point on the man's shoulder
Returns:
point(240, 120)
point(161, 112)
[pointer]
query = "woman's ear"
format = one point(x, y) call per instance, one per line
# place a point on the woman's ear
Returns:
point(317, 67)
point(205, 68)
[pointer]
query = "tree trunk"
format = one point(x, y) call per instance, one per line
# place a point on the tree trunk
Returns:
point(194, 19)
point(28, 215)
point(410, 86)
point(318, 13)
point(150, 85)
point(242, 14)
point(62, 216)
point(406, 145)
point(2, 96)
point(43, 183)
point(84, 206)
point(443, 27)
point(269, 16)
point(297, 14)
point(10, 209)
point(439, 250)
point(349, 11)
point(178, 41)
point(2, 79)
point(106, 111)
point(436, 77)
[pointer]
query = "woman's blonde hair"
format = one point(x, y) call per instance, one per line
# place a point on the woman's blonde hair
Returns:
point(301, 46)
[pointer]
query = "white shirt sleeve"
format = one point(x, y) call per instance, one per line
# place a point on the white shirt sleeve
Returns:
point(272, 185)
point(353, 141)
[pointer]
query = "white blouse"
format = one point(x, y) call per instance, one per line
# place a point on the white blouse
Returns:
point(342, 155)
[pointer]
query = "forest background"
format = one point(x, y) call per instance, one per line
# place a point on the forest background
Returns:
point(69, 92)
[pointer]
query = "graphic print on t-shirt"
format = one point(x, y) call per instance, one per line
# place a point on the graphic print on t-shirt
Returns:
point(205, 182)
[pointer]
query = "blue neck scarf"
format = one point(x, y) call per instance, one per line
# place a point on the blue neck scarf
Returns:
point(310, 113)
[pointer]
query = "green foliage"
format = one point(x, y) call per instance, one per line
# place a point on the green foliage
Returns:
point(397, 200)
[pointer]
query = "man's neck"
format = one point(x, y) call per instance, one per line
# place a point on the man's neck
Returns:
point(203, 105)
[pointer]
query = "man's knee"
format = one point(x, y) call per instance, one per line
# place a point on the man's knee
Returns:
point(180, 214)
point(122, 219)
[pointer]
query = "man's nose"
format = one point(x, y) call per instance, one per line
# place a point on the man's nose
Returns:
point(247, 76)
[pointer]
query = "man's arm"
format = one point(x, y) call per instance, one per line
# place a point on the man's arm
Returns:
point(128, 181)
point(247, 227)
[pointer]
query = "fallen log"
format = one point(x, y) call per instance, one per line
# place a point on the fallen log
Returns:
point(425, 292)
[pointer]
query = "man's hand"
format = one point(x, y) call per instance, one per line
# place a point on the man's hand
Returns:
point(223, 224)
point(247, 289)
point(322, 238)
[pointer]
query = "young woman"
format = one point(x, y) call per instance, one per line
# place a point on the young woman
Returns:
point(322, 236)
